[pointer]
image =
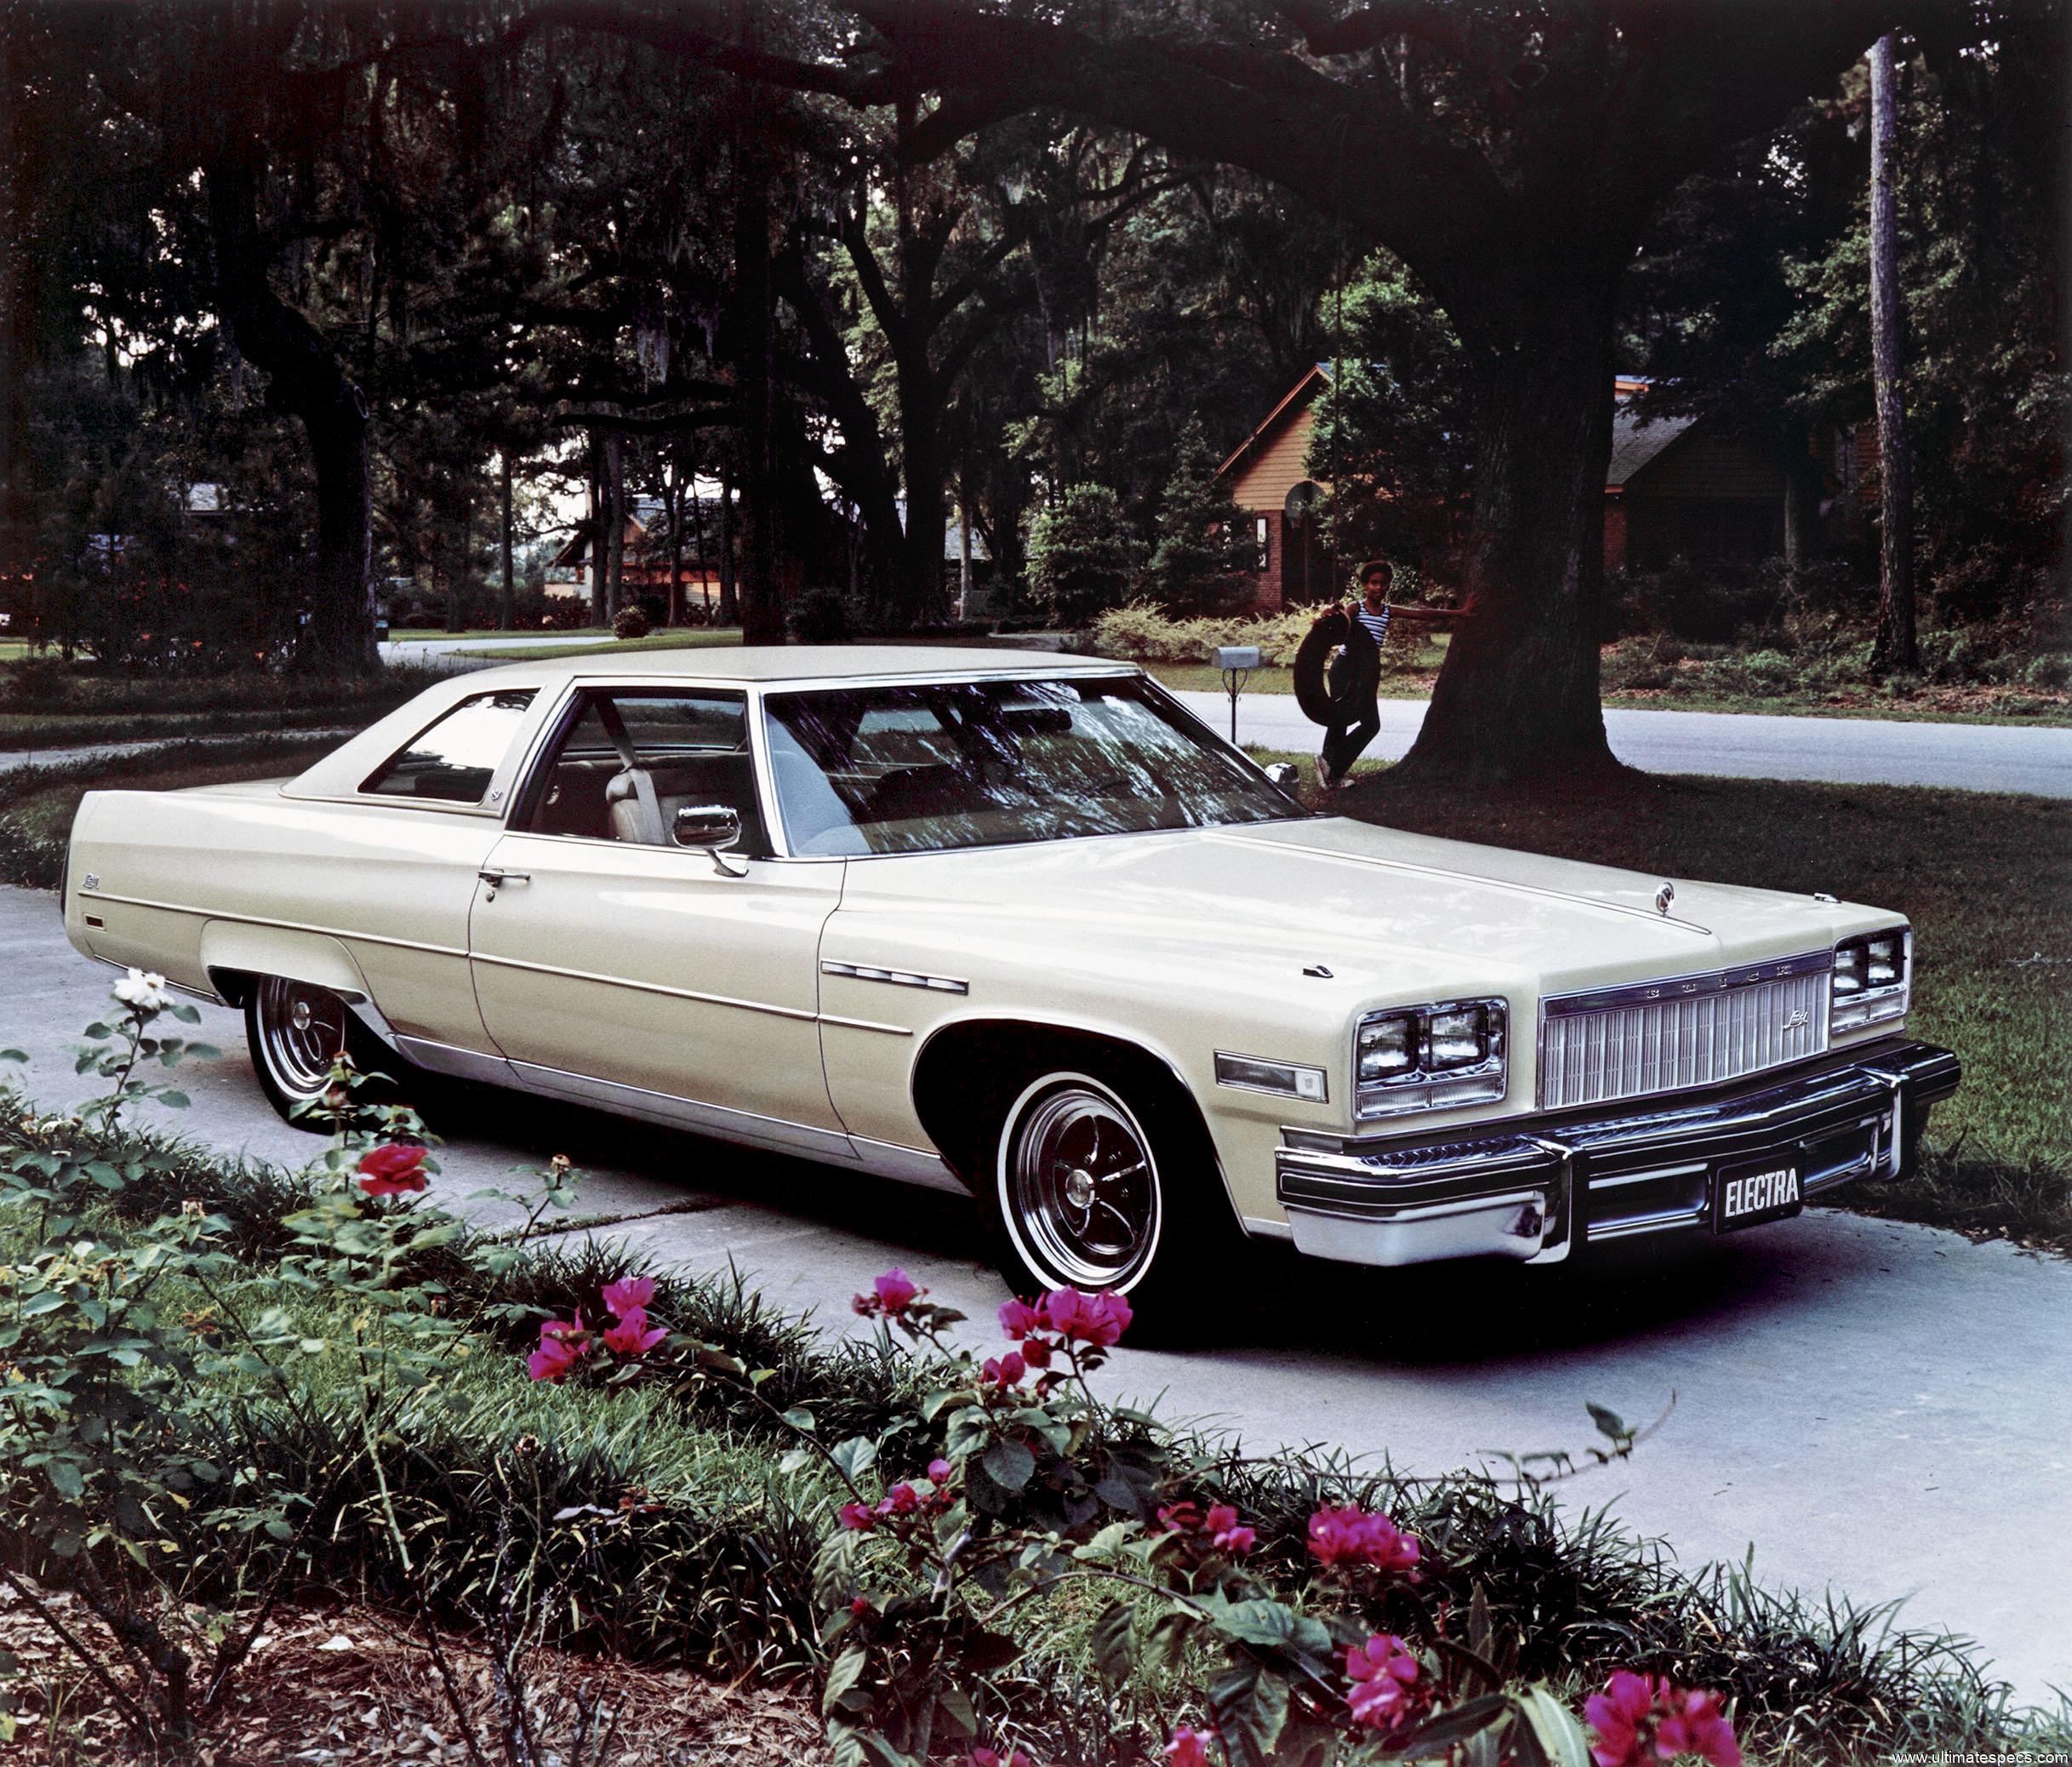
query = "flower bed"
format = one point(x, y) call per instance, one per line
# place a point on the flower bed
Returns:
point(318, 1385)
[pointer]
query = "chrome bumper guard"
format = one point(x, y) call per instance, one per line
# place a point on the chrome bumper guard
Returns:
point(1533, 1189)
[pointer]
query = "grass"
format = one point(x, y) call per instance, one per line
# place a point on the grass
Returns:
point(1714, 685)
point(38, 802)
point(1986, 880)
point(717, 1565)
point(48, 705)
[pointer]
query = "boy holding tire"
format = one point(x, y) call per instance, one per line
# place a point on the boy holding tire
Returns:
point(1346, 693)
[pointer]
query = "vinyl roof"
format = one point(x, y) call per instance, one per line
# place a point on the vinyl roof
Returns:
point(802, 662)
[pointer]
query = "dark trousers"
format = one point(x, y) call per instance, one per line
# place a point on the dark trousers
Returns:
point(1343, 742)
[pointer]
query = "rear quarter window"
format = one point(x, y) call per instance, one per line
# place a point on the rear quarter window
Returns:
point(453, 760)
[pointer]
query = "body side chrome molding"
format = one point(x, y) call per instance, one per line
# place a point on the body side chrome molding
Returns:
point(674, 1112)
point(286, 926)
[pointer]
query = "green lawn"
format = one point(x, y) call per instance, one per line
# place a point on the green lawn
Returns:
point(1986, 880)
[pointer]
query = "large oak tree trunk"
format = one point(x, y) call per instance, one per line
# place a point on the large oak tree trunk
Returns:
point(1517, 696)
point(1896, 645)
point(304, 377)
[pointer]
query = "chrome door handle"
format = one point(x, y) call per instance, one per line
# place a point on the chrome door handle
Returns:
point(493, 878)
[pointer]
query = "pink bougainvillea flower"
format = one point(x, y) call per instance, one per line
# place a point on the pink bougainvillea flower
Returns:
point(632, 1335)
point(1018, 1318)
point(891, 1295)
point(628, 1294)
point(1693, 1725)
point(1036, 1352)
point(1384, 1682)
point(1226, 1533)
point(1188, 1747)
point(858, 1517)
point(993, 1758)
point(1005, 1372)
point(1099, 1319)
point(1347, 1535)
point(562, 1344)
point(392, 1169)
point(1618, 1715)
point(901, 1500)
point(1181, 1517)
point(940, 1471)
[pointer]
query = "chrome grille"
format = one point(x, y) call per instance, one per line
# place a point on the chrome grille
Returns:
point(1691, 1031)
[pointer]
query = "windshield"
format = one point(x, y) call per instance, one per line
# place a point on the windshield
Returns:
point(986, 763)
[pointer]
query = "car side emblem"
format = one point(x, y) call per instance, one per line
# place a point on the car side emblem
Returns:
point(1664, 897)
point(92, 882)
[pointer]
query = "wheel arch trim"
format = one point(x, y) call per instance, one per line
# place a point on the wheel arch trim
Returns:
point(234, 952)
point(996, 1020)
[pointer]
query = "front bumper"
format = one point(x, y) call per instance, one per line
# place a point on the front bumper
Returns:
point(1535, 1188)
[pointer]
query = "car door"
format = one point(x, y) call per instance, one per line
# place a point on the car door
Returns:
point(614, 967)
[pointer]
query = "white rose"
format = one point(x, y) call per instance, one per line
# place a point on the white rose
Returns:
point(143, 993)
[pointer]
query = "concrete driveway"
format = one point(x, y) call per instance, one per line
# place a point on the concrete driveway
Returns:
point(1877, 1408)
point(1851, 750)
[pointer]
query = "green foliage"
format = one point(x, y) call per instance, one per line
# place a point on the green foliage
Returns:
point(1394, 429)
point(1082, 556)
point(1204, 559)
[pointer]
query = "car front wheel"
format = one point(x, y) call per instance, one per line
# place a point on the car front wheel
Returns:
point(1080, 1195)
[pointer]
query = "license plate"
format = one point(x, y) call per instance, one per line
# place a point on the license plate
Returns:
point(1754, 1191)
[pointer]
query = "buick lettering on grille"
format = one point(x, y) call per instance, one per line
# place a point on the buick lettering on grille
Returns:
point(1690, 1031)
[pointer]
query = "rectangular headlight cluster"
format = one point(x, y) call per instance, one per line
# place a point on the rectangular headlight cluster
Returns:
point(1431, 1058)
point(1873, 979)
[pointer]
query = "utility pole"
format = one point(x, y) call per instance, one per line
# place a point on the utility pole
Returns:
point(1897, 647)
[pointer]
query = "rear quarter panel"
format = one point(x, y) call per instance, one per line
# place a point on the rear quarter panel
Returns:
point(243, 877)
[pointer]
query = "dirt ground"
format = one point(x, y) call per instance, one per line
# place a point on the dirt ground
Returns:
point(352, 1688)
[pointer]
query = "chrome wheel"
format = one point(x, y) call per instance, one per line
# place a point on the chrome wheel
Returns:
point(300, 1031)
point(1079, 1187)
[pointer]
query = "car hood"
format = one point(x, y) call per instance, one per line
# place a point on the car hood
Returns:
point(1379, 908)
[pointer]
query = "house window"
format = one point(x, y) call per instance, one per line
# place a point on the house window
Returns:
point(1263, 535)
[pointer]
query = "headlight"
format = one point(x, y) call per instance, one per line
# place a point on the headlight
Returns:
point(1873, 979)
point(1431, 1058)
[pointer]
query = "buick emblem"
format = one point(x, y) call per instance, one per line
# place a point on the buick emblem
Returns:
point(1798, 1022)
point(1664, 897)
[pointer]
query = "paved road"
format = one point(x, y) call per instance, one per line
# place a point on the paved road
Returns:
point(423, 650)
point(1870, 1403)
point(1852, 751)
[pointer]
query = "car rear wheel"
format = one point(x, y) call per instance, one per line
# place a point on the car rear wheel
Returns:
point(296, 1031)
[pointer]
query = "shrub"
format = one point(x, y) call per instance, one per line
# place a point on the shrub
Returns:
point(1082, 556)
point(822, 616)
point(631, 621)
point(1142, 632)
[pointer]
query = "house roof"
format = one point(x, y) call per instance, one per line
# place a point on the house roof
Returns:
point(1300, 392)
point(1635, 440)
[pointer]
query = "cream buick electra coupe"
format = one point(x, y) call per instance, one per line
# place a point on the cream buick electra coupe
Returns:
point(1021, 926)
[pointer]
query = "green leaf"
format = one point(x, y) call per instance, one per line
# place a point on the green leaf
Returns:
point(1165, 1642)
point(13, 1054)
point(1553, 1727)
point(1609, 1423)
point(1115, 1642)
point(855, 1456)
point(1250, 1708)
point(842, 1675)
point(955, 1707)
point(1009, 1464)
point(178, 1100)
point(800, 1419)
point(1453, 1726)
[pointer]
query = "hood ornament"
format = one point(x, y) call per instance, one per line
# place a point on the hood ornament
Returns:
point(1664, 897)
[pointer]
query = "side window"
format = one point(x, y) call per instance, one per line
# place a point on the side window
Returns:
point(627, 761)
point(455, 760)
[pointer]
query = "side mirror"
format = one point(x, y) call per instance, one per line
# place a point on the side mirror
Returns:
point(711, 829)
point(1284, 775)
